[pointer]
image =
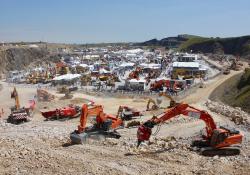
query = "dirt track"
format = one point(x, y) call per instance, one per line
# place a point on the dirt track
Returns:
point(40, 147)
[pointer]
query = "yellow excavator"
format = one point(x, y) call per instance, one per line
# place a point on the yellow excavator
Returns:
point(156, 104)
point(19, 115)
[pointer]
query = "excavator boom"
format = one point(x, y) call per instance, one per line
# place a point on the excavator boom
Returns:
point(155, 105)
point(14, 95)
point(216, 138)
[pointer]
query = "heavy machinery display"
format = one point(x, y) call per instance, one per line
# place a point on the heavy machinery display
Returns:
point(67, 112)
point(217, 141)
point(174, 85)
point(39, 77)
point(135, 74)
point(85, 79)
point(43, 95)
point(20, 114)
point(67, 91)
point(158, 85)
point(156, 104)
point(105, 124)
point(127, 113)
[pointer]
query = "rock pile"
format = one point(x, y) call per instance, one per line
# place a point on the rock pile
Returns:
point(4, 124)
point(236, 115)
point(171, 144)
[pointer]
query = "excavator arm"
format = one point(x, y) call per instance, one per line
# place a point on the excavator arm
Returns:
point(172, 101)
point(96, 110)
point(105, 124)
point(101, 117)
point(14, 95)
point(218, 141)
point(155, 106)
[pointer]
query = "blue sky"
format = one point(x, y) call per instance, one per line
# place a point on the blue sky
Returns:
point(91, 21)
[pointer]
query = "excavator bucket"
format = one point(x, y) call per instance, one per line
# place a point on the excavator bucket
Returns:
point(78, 138)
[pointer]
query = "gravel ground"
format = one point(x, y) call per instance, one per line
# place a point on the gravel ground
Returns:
point(42, 147)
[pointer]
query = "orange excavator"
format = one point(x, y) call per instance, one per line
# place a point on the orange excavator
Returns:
point(105, 124)
point(217, 141)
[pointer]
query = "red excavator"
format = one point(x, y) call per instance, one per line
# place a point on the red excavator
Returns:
point(105, 124)
point(135, 74)
point(217, 141)
point(68, 112)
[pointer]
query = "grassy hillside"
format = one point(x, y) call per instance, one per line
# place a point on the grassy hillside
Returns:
point(235, 91)
point(191, 41)
point(169, 42)
point(235, 46)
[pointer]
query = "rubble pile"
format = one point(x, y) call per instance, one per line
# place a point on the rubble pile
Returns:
point(171, 144)
point(181, 119)
point(236, 115)
point(4, 124)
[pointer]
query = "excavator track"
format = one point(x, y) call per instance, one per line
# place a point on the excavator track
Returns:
point(83, 137)
point(228, 151)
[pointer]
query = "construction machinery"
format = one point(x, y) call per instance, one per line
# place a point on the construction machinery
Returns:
point(19, 115)
point(217, 141)
point(67, 91)
point(135, 74)
point(156, 104)
point(85, 79)
point(234, 65)
point(68, 112)
point(153, 74)
point(226, 71)
point(43, 95)
point(105, 124)
point(127, 113)
point(158, 85)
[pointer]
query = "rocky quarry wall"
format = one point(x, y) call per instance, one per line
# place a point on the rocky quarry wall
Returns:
point(236, 115)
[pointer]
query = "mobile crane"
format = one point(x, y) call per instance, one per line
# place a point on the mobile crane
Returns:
point(105, 124)
point(217, 141)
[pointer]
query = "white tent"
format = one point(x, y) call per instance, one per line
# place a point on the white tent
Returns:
point(67, 77)
point(103, 71)
point(129, 64)
point(186, 64)
point(137, 81)
point(83, 65)
point(151, 66)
